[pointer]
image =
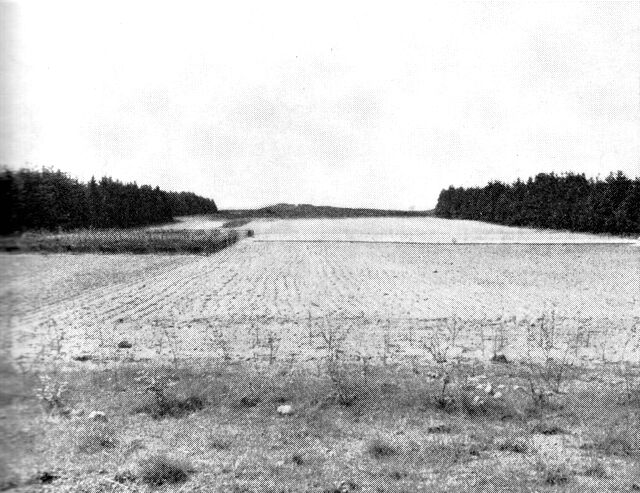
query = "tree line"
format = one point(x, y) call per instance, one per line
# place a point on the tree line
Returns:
point(569, 201)
point(51, 200)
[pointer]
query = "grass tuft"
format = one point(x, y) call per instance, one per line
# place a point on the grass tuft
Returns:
point(596, 470)
point(515, 446)
point(160, 469)
point(379, 449)
point(173, 407)
point(219, 443)
point(554, 474)
point(547, 428)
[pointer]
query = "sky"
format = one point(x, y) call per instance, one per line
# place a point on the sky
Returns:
point(360, 104)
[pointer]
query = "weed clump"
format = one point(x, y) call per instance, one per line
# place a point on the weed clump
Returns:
point(596, 470)
point(159, 470)
point(170, 406)
point(554, 474)
point(547, 428)
point(512, 445)
point(379, 449)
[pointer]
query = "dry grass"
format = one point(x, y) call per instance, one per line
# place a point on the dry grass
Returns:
point(159, 470)
point(323, 446)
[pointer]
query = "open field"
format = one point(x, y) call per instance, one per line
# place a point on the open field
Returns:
point(416, 366)
point(414, 230)
point(371, 291)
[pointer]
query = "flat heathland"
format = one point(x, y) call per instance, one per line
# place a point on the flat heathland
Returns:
point(340, 363)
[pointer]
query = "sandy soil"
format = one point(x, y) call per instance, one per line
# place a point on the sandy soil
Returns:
point(414, 230)
point(385, 300)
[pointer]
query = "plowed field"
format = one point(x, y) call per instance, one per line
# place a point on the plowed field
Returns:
point(279, 298)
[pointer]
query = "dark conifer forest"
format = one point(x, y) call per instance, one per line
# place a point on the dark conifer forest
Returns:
point(569, 202)
point(51, 200)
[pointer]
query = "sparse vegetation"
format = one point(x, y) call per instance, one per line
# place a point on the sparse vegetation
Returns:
point(554, 474)
point(200, 362)
point(159, 470)
point(238, 423)
point(123, 241)
point(380, 449)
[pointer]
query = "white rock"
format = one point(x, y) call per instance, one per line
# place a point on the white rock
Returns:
point(497, 395)
point(97, 416)
point(479, 386)
point(488, 388)
point(501, 386)
point(285, 409)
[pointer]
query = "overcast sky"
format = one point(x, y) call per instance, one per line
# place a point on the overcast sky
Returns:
point(345, 103)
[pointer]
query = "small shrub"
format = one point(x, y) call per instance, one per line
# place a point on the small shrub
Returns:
point(159, 470)
point(499, 359)
point(379, 449)
point(554, 474)
point(596, 470)
point(513, 445)
point(397, 474)
point(297, 459)
point(249, 400)
point(547, 428)
point(82, 358)
point(170, 406)
point(124, 477)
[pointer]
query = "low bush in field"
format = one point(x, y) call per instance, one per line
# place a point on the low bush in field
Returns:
point(170, 406)
point(554, 474)
point(159, 470)
point(380, 449)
